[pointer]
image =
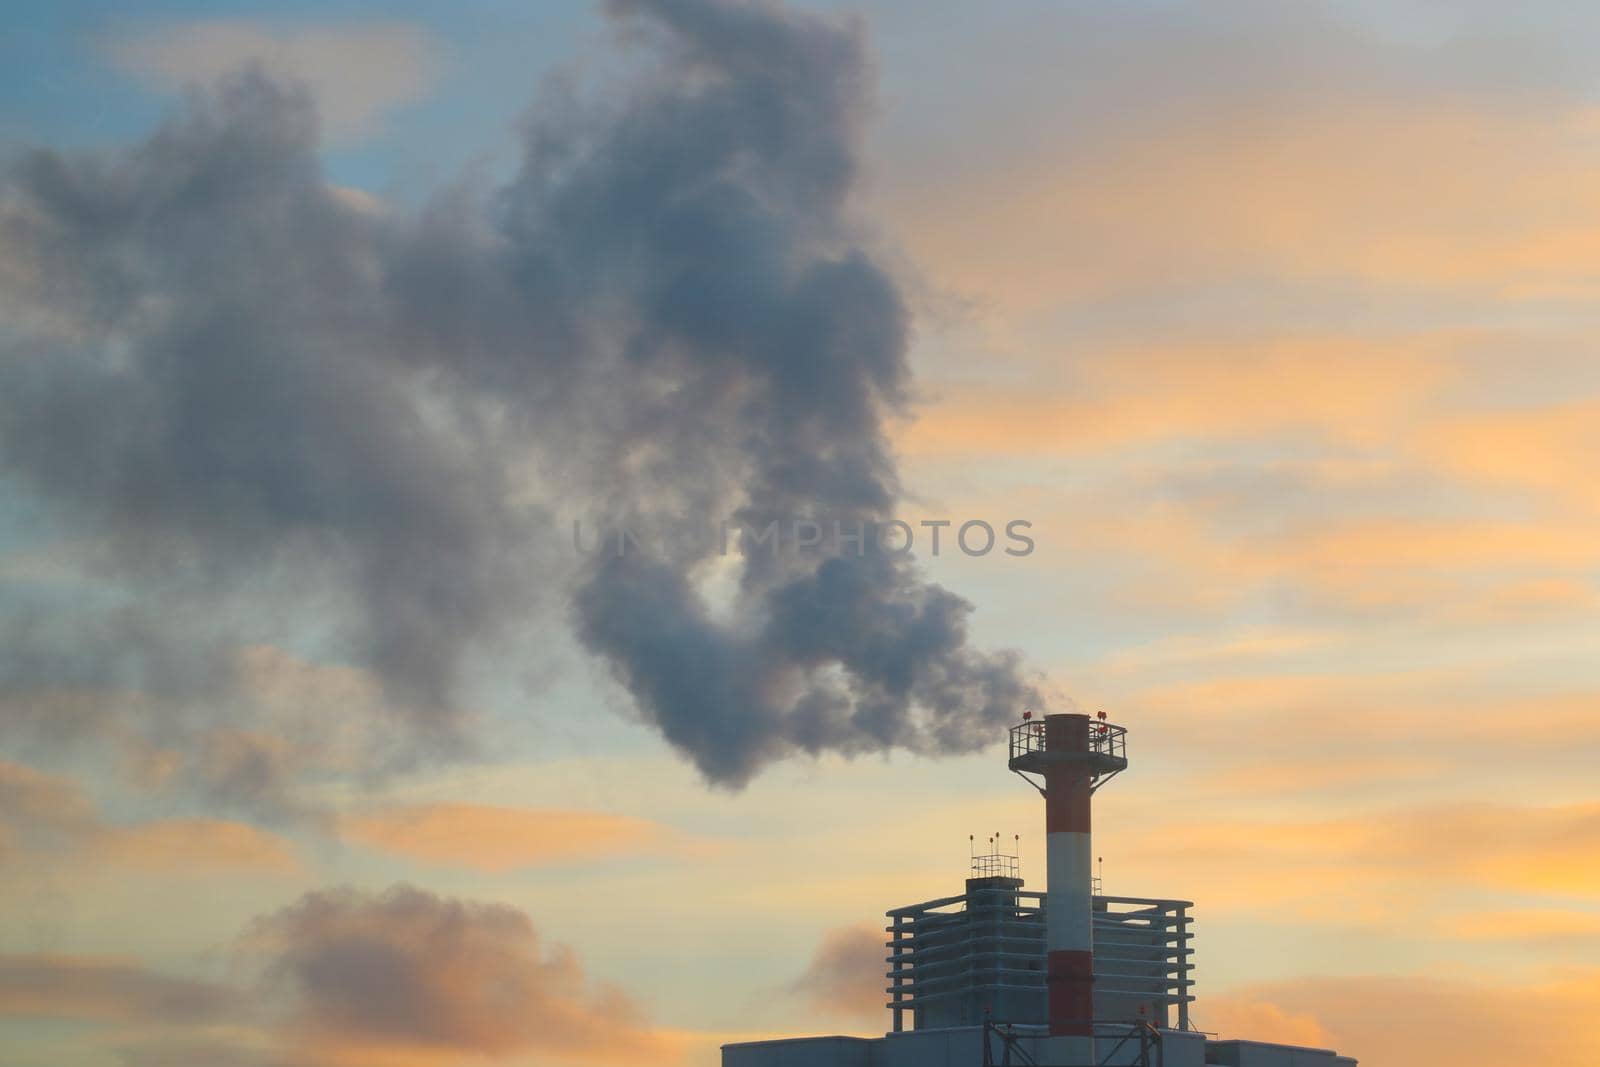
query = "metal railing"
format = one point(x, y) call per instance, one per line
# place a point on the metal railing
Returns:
point(995, 865)
point(1143, 1036)
point(1106, 752)
point(1027, 737)
point(1108, 739)
point(1105, 739)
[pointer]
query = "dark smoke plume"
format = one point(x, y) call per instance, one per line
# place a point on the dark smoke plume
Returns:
point(262, 395)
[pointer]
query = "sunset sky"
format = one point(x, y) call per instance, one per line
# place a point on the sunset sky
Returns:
point(321, 745)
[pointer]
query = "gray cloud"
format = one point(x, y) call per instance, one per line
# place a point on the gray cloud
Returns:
point(203, 1052)
point(69, 987)
point(407, 967)
point(279, 408)
point(341, 973)
point(38, 811)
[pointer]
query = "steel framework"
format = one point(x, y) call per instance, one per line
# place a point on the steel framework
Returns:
point(1013, 1054)
point(951, 958)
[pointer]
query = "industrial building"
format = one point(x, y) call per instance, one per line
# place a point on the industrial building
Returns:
point(1070, 977)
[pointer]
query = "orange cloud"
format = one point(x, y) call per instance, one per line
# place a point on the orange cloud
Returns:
point(845, 976)
point(1541, 598)
point(194, 845)
point(1405, 544)
point(1544, 448)
point(409, 977)
point(1349, 387)
point(1263, 863)
point(1471, 570)
point(1402, 1021)
point(1318, 191)
point(344, 978)
point(1544, 925)
point(1312, 773)
point(1366, 474)
point(496, 839)
point(1248, 1016)
point(1440, 720)
point(1334, 540)
point(84, 987)
point(50, 816)
point(39, 810)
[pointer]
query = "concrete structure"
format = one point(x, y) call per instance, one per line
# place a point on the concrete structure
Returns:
point(957, 960)
point(964, 1047)
point(1070, 977)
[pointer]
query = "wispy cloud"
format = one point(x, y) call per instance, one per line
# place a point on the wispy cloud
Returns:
point(87, 988)
point(47, 819)
point(1294, 865)
point(357, 72)
point(490, 838)
point(1546, 927)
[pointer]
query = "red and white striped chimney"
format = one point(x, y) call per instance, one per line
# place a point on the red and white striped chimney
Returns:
point(1069, 916)
point(1071, 754)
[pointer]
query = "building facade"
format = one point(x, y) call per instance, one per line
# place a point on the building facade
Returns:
point(957, 961)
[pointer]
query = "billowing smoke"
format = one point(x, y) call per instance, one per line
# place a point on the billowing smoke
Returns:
point(271, 401)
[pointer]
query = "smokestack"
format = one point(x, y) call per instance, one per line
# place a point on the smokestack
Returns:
point(1073, 755)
